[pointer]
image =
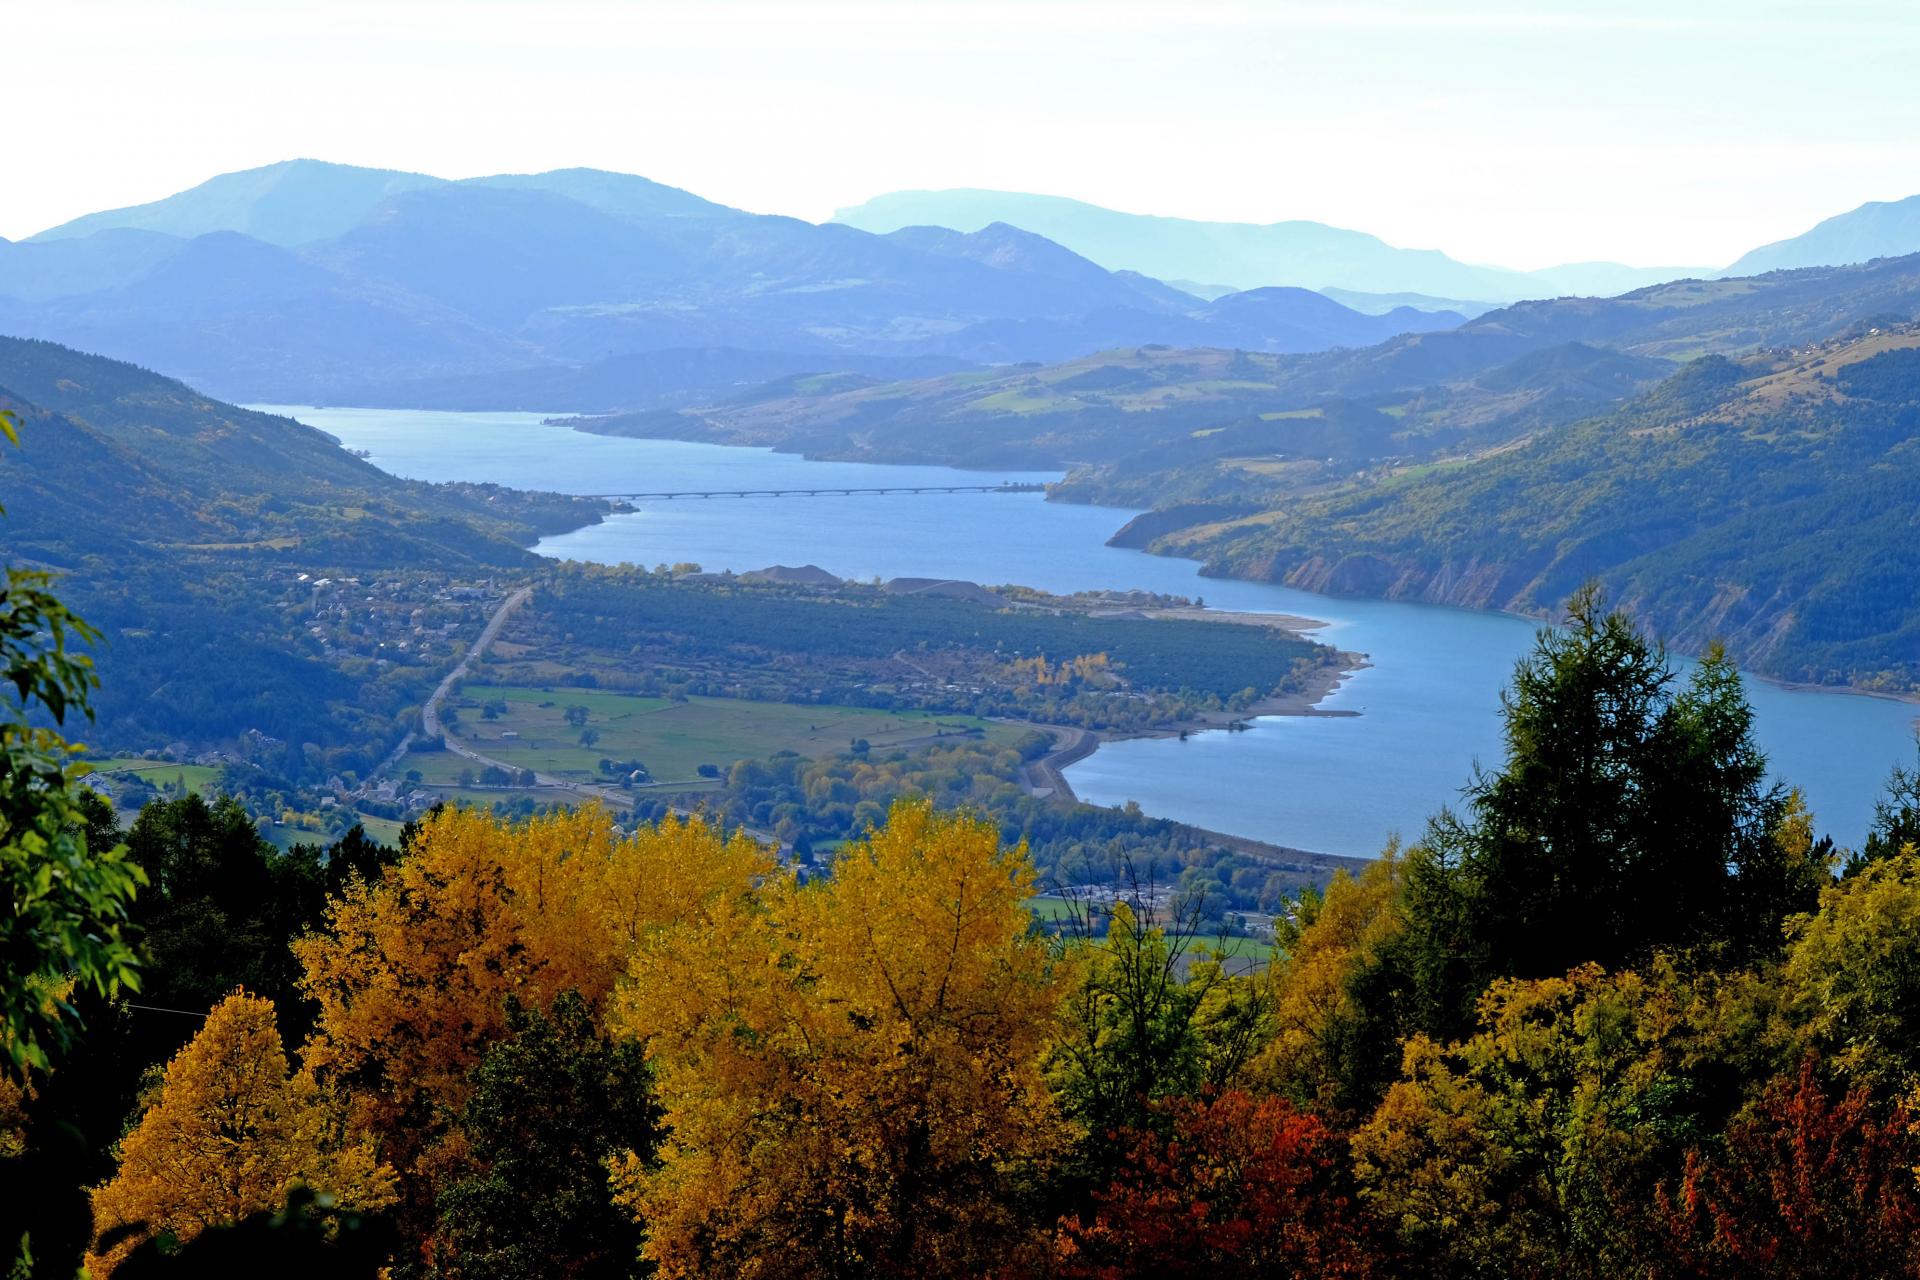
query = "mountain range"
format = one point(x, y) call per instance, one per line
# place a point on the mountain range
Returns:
point(305, 280)
point(1582, 354)
point(1243, 255)
point(1878, 229)
point(1352, 266)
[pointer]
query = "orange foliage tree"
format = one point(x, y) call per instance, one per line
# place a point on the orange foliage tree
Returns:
point(412, 971)
point(1243, 1187)
point(1807, 1186)
point(229, 1133)
point(849, 1070)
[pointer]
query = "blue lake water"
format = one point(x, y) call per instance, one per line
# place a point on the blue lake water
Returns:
point(1429, 704)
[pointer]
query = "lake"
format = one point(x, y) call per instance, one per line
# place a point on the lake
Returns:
point(1429, 705)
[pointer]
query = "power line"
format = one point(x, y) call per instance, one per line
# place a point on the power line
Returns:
point(154, 1008)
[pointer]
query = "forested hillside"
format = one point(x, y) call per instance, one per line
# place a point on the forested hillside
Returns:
point(1769, 503)
point(123, 460)
point(214, 547)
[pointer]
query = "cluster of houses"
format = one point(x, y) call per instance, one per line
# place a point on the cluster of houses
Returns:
point(397, 796)
point(392, 619)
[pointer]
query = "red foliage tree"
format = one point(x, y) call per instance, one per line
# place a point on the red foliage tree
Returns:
point(1242, 1187)
point(1806, 1187)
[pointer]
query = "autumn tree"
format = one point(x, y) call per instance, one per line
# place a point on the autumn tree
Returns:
point(849, 1070)
point(1531, 1149)
point(229, 1132)
point(1338, 993)
point(1805, 1186)
point(1238, 1187)
point(412, 972)
point(1852, 975)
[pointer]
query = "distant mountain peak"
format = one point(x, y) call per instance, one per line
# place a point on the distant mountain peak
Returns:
point(1877, 229)
point(287, 203)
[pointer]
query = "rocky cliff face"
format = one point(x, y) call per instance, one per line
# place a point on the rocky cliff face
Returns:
point(1473, 584)
point(1752, 628)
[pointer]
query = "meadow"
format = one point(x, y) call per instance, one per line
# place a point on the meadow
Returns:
point(159, 774)
point(531, 729)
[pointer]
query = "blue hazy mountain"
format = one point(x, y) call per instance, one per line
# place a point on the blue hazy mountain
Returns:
point(306, 280)
point(1243, 255)
point(1375, 304)
point(290, 203)
point(1878, 229)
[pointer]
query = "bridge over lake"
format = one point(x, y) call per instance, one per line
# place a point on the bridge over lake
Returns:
point(840, 492)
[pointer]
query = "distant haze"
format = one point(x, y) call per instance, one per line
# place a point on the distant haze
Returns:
point(1521, 133)
point(1243, 255)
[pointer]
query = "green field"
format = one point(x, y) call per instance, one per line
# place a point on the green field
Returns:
point(1239, 948)
point(160, 773)
point(385, 830)
point(673, 739)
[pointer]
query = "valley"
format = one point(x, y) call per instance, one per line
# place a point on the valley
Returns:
point(631, 656)
point(1644, 441)
point(1427, 701)
point(1228, 458)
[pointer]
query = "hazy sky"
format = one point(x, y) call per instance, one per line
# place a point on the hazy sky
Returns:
point(1671, 133)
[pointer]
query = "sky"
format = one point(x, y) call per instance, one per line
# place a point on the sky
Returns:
point(1679, 133)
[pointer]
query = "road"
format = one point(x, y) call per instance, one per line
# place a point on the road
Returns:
point(1043, 777)
point(430, 714)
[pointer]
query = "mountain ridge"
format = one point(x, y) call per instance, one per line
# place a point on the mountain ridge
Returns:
point(425, 282)
point(1296, 252)
point(1876, 229)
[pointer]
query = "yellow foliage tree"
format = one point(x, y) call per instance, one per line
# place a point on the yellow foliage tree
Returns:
point(228, 1133)
point(412, 971)
point(1314, 1003)
point(849, 1070)
point(14, 1097)
point(1851, 984)
point(1533, 1148)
